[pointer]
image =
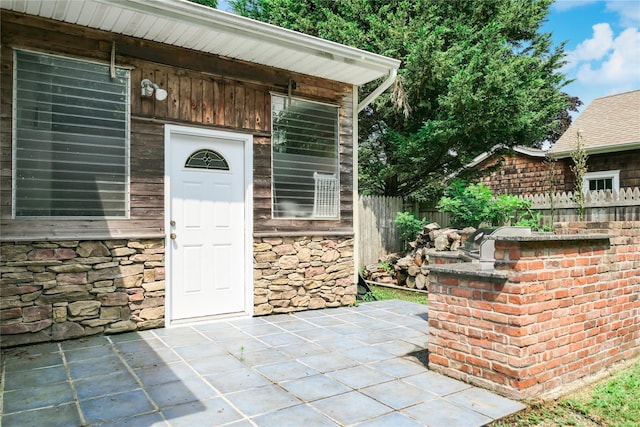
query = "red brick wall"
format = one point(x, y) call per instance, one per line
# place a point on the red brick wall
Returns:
point(552, 312)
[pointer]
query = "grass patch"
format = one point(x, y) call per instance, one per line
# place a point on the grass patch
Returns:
point(382, 293)
point(614, 402)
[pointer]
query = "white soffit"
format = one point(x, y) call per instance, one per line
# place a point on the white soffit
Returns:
point(193, 26)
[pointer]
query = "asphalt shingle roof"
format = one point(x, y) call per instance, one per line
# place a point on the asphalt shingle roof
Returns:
point(608, 124)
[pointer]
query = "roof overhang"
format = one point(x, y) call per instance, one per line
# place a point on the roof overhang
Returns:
point(193, 26)
point(627, 146)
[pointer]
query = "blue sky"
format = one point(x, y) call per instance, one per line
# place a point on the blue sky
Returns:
point(603, 45)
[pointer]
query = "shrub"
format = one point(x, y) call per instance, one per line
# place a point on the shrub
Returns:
point(475, 204)
point(409, 226)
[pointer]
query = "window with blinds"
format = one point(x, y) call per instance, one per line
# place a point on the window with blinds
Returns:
point(304, 159)
point(71, 132)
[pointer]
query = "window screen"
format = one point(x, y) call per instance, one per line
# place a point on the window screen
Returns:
point(305, 159)
point(71, 138)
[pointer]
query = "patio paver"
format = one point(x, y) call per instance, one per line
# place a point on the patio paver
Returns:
point(348, 366)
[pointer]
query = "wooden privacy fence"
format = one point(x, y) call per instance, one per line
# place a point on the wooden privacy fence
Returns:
point(602, 205)
point(377, 234)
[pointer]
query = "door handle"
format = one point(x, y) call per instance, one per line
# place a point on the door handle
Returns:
point(172, 236)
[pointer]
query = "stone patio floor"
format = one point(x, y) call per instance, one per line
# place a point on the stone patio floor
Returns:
point(355, 366)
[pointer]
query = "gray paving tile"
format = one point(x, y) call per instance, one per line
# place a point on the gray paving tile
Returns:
point(367, 354)
point(485, 402)
point(262, 400)
point(199, 351)
point(225, 334)
point(96, 340)
point(328, 362)
point(36, 397)
point(96, 367)
point(394, 419)
point(300, 415)
point(237, 380)
point(260, 329)
point(340, 342)
point(403, 333)
point(436, 383)
point(180, 392)
point(153, 419)
point(215, 364)
point(133, 336)
point(315, 387)
point(397, 394)
point(360, 376)
point(84, 353)
point(350, 408)
point(17, 361)
point(347, 329)
point(237, 347)
point(398, 367)
point(285, 338)
point(397, 347)
point(264, 356)
point(292, 325)
point(14, 380)
point(181, 337)
point(288, 370)
point(302, 350)
point(115, 406)
point(63, 415)
point(212, 412)
point(116, 382)
point(316, 334)
point(374, 337)
point(439, 412)
point(165, 373)
point(150, 358)
point(33, 350)
point(140, 345)
point(327, 321)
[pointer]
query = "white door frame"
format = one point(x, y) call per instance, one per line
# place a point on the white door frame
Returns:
point(240, 138)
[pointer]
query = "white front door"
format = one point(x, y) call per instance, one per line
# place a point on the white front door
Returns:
point(206, 224)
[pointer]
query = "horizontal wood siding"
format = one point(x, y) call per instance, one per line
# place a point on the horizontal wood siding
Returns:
point(203, 90)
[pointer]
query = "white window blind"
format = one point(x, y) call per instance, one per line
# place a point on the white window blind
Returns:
point(71, 130)
point(304, 148)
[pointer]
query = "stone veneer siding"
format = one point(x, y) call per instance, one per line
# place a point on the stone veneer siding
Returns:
point(302, 273)
point(53, 291)
point(552, 310)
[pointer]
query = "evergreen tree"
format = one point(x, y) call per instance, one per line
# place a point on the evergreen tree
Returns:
point(474, 74)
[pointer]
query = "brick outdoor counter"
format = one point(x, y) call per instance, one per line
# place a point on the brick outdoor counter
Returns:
point(552, 309)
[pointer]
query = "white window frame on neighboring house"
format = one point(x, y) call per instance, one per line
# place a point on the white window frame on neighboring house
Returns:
point(71, 136)
point(613, 175)
point(305, 172)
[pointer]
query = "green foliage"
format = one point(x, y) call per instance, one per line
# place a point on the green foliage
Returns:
point(386, 267)
point(409, 226)
point(579, 169)
point(474, 74)
point(382, 293)
point(475, 204)
point(211, 3)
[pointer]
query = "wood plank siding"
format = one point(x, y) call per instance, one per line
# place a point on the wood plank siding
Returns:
point(203, 90)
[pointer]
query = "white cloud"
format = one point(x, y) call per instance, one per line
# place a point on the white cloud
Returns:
point(629, 11)
point(620, 66)
point(596, 47)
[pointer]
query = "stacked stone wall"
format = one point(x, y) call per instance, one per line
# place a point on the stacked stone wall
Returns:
point(53, 291)
point(302, 273)
point(551, 312)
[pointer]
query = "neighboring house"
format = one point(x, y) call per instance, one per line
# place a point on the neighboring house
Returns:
point(522, 171)
point(163, 162)
point(610, 128)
